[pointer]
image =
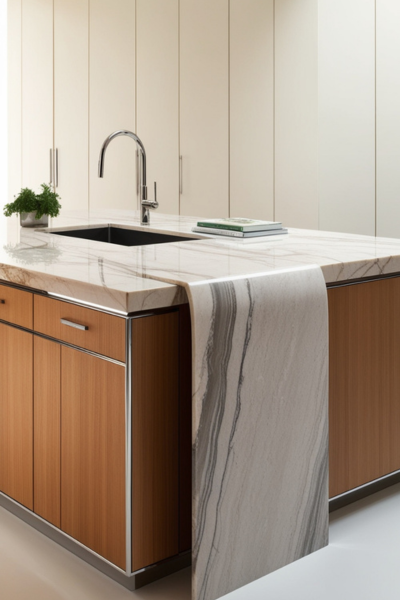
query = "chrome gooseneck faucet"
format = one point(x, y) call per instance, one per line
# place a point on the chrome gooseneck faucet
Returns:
point(145, 204)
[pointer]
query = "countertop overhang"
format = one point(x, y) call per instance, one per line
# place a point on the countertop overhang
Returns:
point(130, 279)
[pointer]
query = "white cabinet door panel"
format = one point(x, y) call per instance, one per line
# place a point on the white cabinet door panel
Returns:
point(14, 91)
point(388, 118)
point(157, 97)
point(347, 115)
point(71, 95)
point(204, 119)
point(296, 113)
point(252, 109)
point(112, 103)
point(37, 91)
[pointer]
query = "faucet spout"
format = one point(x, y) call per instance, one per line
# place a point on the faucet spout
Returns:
point(144, 202)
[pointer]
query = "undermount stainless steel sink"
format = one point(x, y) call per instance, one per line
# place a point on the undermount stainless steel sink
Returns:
point(121, 236)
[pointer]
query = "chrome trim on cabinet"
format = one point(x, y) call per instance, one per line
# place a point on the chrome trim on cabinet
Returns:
point(363, 491)
point(62, 343)
point(131, 582)
point(28, 513)
point(128, 444)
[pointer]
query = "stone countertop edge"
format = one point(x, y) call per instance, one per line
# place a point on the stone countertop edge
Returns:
point(134, 279)
point(152, 295)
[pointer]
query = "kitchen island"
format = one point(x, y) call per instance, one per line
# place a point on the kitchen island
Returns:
point(269, 282)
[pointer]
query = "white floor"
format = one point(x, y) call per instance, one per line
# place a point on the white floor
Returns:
point(361, 562)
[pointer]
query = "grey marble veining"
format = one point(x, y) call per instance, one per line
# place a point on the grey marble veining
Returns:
point(260, 426)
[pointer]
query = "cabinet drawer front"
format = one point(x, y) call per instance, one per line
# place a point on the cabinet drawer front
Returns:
point(83, 327)
point(16, 306)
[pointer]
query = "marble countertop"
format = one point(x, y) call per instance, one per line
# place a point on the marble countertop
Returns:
point(129, 279)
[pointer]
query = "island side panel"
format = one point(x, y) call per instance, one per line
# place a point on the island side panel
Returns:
point(260, 426)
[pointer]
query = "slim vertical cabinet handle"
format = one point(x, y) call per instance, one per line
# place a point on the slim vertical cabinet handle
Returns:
point(56, 177)
point(180, 175)
point(138, 174)
point(51, 166)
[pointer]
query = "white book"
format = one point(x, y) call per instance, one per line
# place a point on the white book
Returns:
point(240, 224)
point(239, 234)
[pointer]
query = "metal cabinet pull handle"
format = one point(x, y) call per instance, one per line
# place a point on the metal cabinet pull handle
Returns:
point(51, 166)
point(180, 176)
point(56, 169)
point(2, 301)
point(75, 325)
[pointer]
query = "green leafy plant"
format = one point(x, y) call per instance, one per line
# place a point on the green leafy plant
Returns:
point(45, 203)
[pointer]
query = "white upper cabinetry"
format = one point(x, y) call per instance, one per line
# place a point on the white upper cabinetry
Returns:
point(388, 117)
point(54, 119)
point(347, 115)
point(251, 114)
point(204, 103)
point(37, 91)
point(157, 96)
point(296, 113)
point(71, 93)
point(112, 103)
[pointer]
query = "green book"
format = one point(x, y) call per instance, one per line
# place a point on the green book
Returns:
point(243, 225)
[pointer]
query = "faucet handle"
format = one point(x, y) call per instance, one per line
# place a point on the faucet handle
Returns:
point(155, 195)
point(150, 203)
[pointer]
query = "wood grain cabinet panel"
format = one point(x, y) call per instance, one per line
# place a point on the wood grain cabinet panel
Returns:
point(105, 333)
point(155, 439)
point(93, 453)
point(16, 306)
point(16, 414)
point(47, 433)
point(364, 389)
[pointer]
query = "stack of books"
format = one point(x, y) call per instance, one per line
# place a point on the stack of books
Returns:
point(239, 228)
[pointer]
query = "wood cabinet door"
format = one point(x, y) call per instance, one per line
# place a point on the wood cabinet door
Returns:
point(47, 433)
point(364, 383)
point(93, 453)
point(16, 414)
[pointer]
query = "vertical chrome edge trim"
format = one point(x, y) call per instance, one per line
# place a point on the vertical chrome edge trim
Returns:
point(128, 445)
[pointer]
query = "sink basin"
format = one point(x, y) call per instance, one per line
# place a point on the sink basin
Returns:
point(122, 237)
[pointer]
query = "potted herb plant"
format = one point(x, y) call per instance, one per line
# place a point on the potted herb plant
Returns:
point(34, 209)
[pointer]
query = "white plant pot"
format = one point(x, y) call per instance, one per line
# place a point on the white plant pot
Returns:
point(29, 220)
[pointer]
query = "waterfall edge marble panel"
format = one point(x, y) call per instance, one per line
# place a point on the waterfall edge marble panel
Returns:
point(260, 426)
